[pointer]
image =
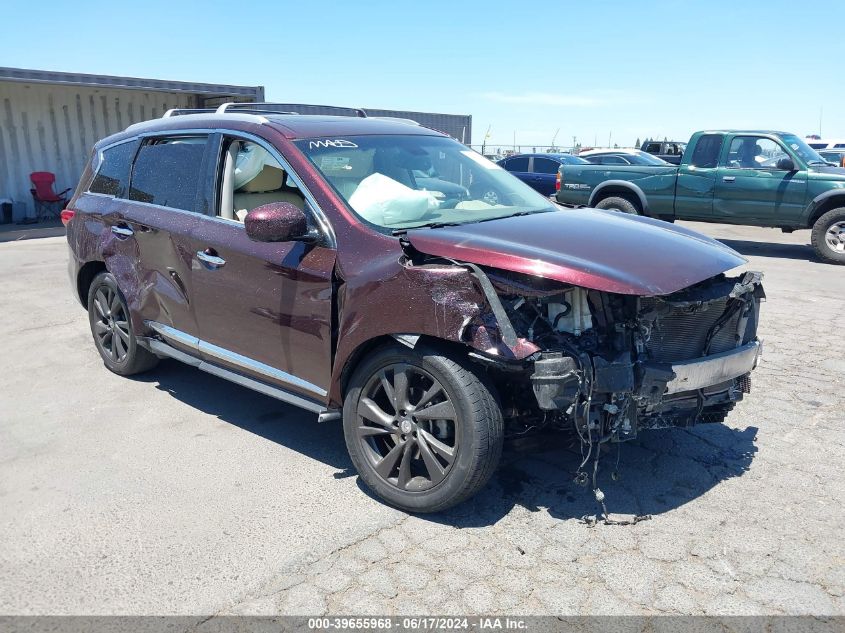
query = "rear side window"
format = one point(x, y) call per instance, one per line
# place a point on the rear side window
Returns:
point(113, 172)
point(707, 151)
point(545, 166)
point(520, 163)
point(167, 172)
point(653, 148)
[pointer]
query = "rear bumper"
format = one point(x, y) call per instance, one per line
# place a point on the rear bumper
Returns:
point(714, 369)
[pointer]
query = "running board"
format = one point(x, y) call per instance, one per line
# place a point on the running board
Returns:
point(163, 349)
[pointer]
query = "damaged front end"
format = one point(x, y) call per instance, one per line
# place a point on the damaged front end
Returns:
point(611, 364)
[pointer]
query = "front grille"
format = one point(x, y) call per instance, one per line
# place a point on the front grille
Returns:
point(681, 334)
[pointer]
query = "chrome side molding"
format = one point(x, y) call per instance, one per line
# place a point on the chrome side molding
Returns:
point(171, 334)
point(163, 349)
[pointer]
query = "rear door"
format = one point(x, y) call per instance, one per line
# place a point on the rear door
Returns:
point(696, 186)
point(263, 309)
point(750, 189)
point(544, 173)
point(148, 225)
point(518, 166)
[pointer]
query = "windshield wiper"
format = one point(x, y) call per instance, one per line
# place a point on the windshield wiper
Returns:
point(427, 225)
point(818, 162)
point(516, 215)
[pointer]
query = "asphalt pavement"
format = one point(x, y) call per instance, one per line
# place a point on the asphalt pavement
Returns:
point(176, 492)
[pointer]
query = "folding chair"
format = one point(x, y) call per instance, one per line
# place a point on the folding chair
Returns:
point(48, 203)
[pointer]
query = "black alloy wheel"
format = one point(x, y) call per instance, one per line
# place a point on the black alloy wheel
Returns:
point(423, 427)
point(406, 427)
point(111, 327)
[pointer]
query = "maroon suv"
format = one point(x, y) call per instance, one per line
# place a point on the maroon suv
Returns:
point(379, 271)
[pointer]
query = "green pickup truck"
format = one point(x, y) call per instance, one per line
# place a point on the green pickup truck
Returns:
point(738, 177)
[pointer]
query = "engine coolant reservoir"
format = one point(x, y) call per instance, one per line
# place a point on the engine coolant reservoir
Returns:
point(574, 315)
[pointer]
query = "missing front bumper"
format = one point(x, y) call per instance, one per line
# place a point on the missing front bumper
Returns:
point(714, 369)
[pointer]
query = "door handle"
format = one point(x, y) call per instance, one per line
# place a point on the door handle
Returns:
point(122, 230)
point(211, 259)
point(728, 178)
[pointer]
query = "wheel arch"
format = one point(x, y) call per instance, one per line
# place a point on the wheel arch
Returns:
point(85, 277)
point(412, 341)
point(823, 203)
point(627, 190)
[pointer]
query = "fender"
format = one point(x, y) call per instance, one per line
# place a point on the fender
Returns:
point(809, 212)
point(622, 184)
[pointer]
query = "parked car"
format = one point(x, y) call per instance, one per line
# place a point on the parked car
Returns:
point(834, 156)
point(298, 256)
point(833, 143)
point(670, 151)
point(621, 157)
point(738, 177)
point(539, 171)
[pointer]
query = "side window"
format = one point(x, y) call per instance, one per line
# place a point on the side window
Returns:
point(251, 177)
point(545, 166)
point(113, 171)
point(839, 145)
point(520, 163)
point(707, 151)
point(167, 172)
point(653, 148)
point(613, 160)
point(754, 152)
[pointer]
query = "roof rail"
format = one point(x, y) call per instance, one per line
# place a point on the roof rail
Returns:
point(249, 107)
point(177, 111)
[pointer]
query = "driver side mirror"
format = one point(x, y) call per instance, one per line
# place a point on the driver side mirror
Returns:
point(278, 222)
point(786, 164)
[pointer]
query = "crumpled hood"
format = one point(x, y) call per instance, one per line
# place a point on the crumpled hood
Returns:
point(601, 250)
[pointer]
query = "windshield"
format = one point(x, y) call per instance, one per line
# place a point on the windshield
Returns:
point(401, 182)
point(804, 151)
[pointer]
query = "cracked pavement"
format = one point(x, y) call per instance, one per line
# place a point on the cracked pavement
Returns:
point(178, 493)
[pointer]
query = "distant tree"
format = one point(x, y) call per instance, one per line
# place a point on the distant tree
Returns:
point(665, 139)
point(638, 145)
point(616, 146)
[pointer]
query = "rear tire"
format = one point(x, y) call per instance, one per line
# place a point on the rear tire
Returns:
point(413, 459)
point(111, 327)
point(617, 203)
point(828, 236)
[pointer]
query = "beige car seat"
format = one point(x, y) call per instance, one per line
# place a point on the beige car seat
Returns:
point(266, 187)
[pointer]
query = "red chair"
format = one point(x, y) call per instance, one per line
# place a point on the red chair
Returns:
point(48, 203)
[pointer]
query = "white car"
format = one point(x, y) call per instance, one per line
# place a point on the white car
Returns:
point(821, 143)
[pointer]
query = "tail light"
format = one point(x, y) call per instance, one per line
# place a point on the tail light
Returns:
point(67, 215)
point(557, 181)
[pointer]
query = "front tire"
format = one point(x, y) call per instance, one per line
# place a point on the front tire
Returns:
point(111, 327)
point(828, 236)
point(422, 429)
point(616, 203)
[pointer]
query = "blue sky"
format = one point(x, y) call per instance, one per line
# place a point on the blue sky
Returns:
point(594, 68)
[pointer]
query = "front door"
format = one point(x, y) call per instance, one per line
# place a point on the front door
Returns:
point(264, 309)
point(751, 189)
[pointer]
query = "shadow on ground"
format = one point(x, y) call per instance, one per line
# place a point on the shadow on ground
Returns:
point(770, 249)
point(658, 472)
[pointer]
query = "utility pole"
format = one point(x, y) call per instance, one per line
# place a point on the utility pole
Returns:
point(484, 142)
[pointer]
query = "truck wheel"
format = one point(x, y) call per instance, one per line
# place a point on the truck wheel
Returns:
point(616, 203)
point(111, 327)
point(828, 237)
point(423, 430)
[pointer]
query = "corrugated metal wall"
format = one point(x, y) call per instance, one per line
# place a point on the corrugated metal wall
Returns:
point(46, 127)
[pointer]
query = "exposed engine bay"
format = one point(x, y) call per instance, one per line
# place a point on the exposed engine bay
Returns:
point(612, 364)
point(606, 365)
